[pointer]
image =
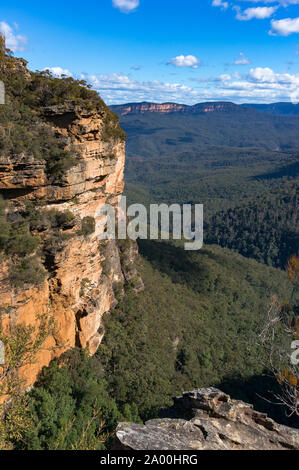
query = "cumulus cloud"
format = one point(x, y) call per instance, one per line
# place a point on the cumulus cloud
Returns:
point(59, 71)
point(259, 13)
point(242, 60)
point(118, 88)
point(185, 61)
point(263, 75)
point(260, 84)
point(284, 27)
point(15, 42)
point(220, 3)
point(280, 81)
point(126, 5)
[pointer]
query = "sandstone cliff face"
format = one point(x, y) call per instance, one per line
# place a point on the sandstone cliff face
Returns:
point(76, 291)
point(142, 108)
point(166, 108)
point(207, 419)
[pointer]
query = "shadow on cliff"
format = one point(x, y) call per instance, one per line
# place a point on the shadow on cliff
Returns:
point(258, 390)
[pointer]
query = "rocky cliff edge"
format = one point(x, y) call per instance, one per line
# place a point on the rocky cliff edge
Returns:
point(81, 271)
point(207, 419)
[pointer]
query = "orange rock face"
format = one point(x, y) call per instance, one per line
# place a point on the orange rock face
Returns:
point(167, 108)
point(76, 292)
point(142, 108)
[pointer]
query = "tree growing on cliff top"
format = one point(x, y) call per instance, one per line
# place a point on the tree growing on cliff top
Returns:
point(280, 340)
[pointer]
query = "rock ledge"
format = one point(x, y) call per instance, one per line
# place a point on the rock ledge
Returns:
point(207, 419)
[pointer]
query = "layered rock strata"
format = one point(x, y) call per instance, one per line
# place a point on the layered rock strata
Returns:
point(78, 288)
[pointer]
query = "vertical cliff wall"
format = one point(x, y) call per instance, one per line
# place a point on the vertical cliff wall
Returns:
point(81, 270)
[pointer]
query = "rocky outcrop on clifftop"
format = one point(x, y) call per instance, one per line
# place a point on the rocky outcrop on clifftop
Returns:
point(207, 419)
point(81, 273)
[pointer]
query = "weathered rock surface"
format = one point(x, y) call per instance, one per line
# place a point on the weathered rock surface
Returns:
point(77, 291)
point(208, 419)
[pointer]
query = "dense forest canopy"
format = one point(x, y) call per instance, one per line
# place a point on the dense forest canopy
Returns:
point(242, 164)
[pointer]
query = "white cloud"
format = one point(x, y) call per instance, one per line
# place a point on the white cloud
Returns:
point(220, 3)
point(118, 88)
point(264, 85)
point(125, 5)
point(59, 71)
point(262, 74)
point(284, 3)
point(284, 27)
point(281, 81)
point(185, 61)
point(242, 60)
point(259, 13)
point(225, 77)
point(260, 84)
point(267, 75)
point(15, 42)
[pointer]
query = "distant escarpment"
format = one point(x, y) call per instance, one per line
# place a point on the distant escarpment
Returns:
point(62, 157)
point(166, 108)
point(289, 109)
point(207, 419)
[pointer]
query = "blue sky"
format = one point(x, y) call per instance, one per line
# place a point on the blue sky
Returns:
point(163, 50)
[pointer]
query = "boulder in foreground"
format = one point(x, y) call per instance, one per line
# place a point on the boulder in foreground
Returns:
point(207, 419)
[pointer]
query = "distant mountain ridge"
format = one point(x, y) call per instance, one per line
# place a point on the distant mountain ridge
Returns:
point(289, 109)
point(167, 108)
point(282, 108)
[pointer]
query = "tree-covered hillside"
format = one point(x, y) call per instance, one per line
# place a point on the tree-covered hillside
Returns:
point(265, 228)
point(291, 109)
point(240, 163)
point(153, 134)
point(195, 324)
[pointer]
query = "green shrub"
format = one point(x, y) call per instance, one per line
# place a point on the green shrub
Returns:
point(27, 271)
point(88, 226)
point(112, 130)
point(15, 236)
point(21, 242)
point(56, 242)
point(64, 220)
point(17, 242)
point(24, 128)
point(23, 124)
point(71, 406)
point(21, 132)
